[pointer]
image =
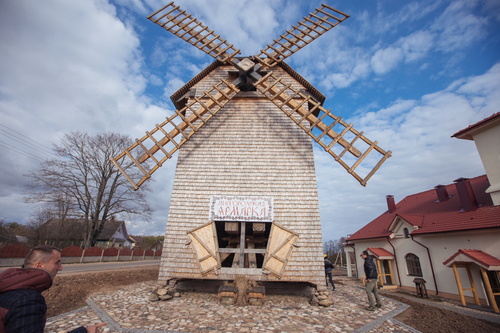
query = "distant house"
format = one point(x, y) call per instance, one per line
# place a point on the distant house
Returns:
point(448, 236)
point(7, 236)
point(139, 241)
point(70, 232)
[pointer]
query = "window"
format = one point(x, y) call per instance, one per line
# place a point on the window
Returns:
point(413, 265)
point(406, 233)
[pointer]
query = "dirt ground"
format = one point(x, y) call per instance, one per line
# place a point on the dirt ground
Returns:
point(431, 319)
point(69, 292)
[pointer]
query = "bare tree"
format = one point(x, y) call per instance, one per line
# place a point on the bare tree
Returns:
point(335, 248)
point(84, 183)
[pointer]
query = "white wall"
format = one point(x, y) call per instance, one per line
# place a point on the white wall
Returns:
point(441, 247)
point(489, 151)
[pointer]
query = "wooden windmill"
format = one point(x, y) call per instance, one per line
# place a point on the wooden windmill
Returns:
point(244, 200)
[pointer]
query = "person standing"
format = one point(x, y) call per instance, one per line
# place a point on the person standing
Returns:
point(22, 306)
point(371, 281)
point(328, 271)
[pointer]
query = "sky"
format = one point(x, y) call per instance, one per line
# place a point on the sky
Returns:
point(409, 74)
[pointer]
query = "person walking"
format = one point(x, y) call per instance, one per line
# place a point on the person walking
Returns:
point(328, 271)
point(22, 306)
point(371, 281)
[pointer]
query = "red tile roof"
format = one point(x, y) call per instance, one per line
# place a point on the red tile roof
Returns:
point(467, 133)
point(481, 258)
point(381, 252)
point(424, 211)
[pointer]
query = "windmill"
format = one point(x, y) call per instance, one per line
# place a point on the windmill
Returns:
point(244, 200)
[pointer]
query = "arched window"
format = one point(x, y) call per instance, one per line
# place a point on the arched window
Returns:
point(406, 233)
point(413, 265)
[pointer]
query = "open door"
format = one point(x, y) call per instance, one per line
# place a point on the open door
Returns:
point(279, 249)
point(203, 240)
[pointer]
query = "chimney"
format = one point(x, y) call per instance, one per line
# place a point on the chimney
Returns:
point(442, 193)
point(467, 197)
point(391, 205)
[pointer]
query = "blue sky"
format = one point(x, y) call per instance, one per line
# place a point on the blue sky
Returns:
point(408, 73)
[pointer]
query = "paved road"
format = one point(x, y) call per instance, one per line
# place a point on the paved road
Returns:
point(103, 266)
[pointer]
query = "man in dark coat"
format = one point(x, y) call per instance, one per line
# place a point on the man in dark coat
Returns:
point(22, 306)
point(371, 276)
point(328, 271)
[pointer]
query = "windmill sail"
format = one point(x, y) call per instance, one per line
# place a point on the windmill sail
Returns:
point(321, 125)
point(166, 138)
point(185, 26)
point(306, 31)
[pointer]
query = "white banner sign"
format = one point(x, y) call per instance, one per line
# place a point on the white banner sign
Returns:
point(241, 208)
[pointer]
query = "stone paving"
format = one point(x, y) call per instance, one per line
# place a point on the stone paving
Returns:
point(128, 310)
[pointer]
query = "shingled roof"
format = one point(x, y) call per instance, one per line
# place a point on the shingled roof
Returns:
point(179, 97)
point(428, 214)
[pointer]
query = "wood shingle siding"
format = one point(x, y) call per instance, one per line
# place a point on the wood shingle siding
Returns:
point(250, 148)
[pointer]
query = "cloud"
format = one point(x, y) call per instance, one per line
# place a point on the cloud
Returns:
point(418, 132)
point(457, 26)
point(385, 60)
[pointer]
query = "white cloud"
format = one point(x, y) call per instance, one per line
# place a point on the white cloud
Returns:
point(416, 45)
point(385, 60)
point(458, 26)
point(424, 154)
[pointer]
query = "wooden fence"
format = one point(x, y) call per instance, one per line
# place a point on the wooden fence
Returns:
point(13, 255)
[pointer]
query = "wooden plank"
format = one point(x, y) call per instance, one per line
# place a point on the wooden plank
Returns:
point(252, 258)
point(280, 246)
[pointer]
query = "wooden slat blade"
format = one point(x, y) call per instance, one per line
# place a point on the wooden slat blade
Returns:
point(313, 26)
point(142, 159)
point(335, 136)
point(175, 20)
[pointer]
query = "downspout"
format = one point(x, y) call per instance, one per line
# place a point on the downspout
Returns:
point(395, 259)
point(430, 261)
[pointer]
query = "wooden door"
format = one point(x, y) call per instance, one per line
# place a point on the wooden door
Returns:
point(279, 249)
point(205, 246)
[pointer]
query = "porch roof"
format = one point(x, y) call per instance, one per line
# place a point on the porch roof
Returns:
point(478, 257)
point(381, 253)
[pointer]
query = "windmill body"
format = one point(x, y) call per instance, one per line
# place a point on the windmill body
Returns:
point(244, 201)
point(251, 149)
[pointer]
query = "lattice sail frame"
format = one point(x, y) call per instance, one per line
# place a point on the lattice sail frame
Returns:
point(306, 31)
point(303, 113)
point(188, 28)
point(161, 149)
point(315, 120)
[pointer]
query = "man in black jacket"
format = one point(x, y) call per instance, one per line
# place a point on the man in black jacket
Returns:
point(371, 281)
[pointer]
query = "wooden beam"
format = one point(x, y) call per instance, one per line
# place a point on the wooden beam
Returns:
point(459, 285)
point(473, 285)
point(311, 118)
point(489, 290)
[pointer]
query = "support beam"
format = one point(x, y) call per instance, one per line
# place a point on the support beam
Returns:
point(459, 285)
point(489, 291)
point(473, 285)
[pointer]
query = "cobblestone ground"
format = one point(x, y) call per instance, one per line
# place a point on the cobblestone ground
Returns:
point(128, 310)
